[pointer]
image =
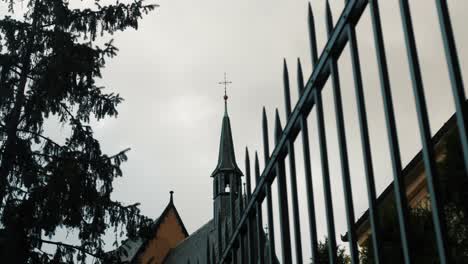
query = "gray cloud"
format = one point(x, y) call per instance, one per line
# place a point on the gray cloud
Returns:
point(168, 72)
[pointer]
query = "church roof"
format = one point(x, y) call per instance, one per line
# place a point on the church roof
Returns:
point(129, 249)
point(158, 222)
point(193, 248)
point(203, 243)
point(226, 158)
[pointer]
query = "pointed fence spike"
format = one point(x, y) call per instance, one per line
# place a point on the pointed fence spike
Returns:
point(300, 77)
point(247, 174)
point(277, 126)
point(287, 93)
point(282, 198)
point(312, 35)
point(257, 167)
point(266, 145)
point(285, 69)
point(329, 18)
point(259, 218)
point(246, 153)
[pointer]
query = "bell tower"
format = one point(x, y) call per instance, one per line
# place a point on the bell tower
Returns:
point(227, 175)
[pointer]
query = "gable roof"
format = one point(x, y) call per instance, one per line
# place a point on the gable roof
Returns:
point(157, 224)
point(128, 249)
point(193, 248)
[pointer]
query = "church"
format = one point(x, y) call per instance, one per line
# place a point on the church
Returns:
point(170, 243)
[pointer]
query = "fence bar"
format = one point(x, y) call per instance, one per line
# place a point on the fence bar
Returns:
point(432, 176)
point(233, 217)
point(326, 178)
point(292, 170)
point(208, 248)
point(271, 231)
point(213, 255)
point(336, 43)
point(342, 145)
point(266, 155)
point(282, 199)
point(305, 137)
point(400, 194)
point(323, 147)
point(242, 233)
point(260, 238)
point(308, 172)
point(250, 238)
point(456, 77)
point(365, 145)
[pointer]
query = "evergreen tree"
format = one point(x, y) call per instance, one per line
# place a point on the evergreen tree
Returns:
point(49, 65)
point(323, 256)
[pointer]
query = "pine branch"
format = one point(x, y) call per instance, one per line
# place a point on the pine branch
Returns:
point(79, 248)
point(41, 136)
point(120, 153)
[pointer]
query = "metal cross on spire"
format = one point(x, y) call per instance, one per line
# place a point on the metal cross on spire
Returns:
point(225, 83)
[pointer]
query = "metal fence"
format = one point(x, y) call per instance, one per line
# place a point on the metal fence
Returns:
point(325, 66)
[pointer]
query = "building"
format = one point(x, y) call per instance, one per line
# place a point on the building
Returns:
point(170, 242)
point(414, 180)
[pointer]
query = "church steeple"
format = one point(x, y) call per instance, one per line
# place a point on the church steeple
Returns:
point(226, 157)
point(226, 175)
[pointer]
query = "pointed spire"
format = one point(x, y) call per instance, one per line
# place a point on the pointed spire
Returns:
point(171, 199)
point(226, 158)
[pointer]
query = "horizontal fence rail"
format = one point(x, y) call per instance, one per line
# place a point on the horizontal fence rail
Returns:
point(247, 241)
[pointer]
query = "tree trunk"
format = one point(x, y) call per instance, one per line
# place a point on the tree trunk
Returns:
point(17, 245)
point(13, 118)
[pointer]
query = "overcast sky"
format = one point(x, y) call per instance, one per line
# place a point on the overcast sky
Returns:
point(168, 72)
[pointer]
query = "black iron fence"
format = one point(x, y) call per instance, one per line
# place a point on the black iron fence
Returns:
point(242, 242)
